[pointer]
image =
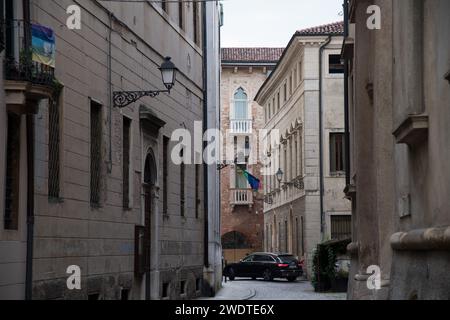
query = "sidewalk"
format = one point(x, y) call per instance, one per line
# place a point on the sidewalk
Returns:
point(229, 293)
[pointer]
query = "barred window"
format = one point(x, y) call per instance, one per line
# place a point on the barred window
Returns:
point(337, 153)
point(198, 200)
point(96, 144)
point(341, 227)
point(182, 185)
point(11, 217)
point(166, 142)
point(54, 149)
point(126, 161)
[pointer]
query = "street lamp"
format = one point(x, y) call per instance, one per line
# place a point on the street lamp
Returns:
point(168, 74)
point(279, 175)
point(297, 183)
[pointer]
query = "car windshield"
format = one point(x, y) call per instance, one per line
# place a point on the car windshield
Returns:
point(287, 259)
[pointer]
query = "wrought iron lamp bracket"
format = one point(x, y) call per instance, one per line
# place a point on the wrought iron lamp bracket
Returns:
point(123, 99)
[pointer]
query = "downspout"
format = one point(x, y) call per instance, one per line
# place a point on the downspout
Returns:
point(322, 186)
point(30, 170)
point(205, 128)
point(346, 102)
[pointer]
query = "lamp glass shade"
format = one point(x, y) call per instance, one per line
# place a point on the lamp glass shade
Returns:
point(279, 175)
point(168, 73)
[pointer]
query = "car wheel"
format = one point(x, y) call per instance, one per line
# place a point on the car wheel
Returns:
point(292, 279)
point(268, 275)
point(231, 275)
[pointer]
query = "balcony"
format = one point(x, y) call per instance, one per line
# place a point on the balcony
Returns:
point(241, 197)
point(243, 127)
point(26, 81)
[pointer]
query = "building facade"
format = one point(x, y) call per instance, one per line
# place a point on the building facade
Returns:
point(303, 103)
point(90, 186)
point(398, 96)
point(244, 70)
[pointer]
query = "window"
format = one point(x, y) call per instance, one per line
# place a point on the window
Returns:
point(290, 85)
point(165, 290)
point(182, 185)
point(182, 287)
point(125, 295)
point(285, 92)
point(286, 249)
point(96, 145)
point(341, 227)
point(278, 101)
point(295, 78)
point(241, 181)
point(11, 217)
point(337, 153)
point(335, 64)
point(273, 107)
point(53, 149)
point(240, 105)
point(263, 258)
point(181, 14)
point(164, 5)
point(195, 22)
point(198, 200)
point(126, 136)
point(166, 142)
point(198, 284)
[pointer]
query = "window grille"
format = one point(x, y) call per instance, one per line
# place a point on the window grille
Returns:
point(126, 161)
point(341, 227)
point(96, 145)
point(53, 149)
point(11, 217)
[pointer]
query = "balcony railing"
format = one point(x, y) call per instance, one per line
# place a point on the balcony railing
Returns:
point(19, 64)
point(241, 197)
point(241, 126)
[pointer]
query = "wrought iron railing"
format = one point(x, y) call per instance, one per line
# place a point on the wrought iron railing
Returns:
point(18, 62)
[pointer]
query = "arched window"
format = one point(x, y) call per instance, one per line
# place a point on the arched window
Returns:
point(240, 105)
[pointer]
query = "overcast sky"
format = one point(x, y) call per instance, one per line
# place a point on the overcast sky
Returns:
point(271, 23)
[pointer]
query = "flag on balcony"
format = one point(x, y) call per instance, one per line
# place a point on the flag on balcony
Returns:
point(43, 45)
point(254, 182)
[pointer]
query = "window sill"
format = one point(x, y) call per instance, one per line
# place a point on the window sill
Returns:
point(413, 131)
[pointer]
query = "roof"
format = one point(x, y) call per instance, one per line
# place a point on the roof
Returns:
point(331, 29)
point(335, 28)
point(268, 55)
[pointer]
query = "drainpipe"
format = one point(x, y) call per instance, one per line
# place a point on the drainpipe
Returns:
point(205, 128)
point(30, 170)
point(346, 102)
point(322, 186)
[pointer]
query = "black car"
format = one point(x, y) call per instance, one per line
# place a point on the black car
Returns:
point(267, 266)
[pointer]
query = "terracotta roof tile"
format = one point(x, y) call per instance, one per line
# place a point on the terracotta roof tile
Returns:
point(334, 28)
point(252, 54)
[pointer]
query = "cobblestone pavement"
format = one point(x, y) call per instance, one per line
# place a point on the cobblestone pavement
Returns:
point(275, 290)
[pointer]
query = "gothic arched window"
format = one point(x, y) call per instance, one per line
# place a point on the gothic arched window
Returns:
point(240, 105)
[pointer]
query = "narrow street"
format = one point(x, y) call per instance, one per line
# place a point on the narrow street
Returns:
point(243, 289)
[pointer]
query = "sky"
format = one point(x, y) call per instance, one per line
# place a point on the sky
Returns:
point(271, 23)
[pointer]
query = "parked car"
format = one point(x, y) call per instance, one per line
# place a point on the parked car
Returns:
point(268, 266)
